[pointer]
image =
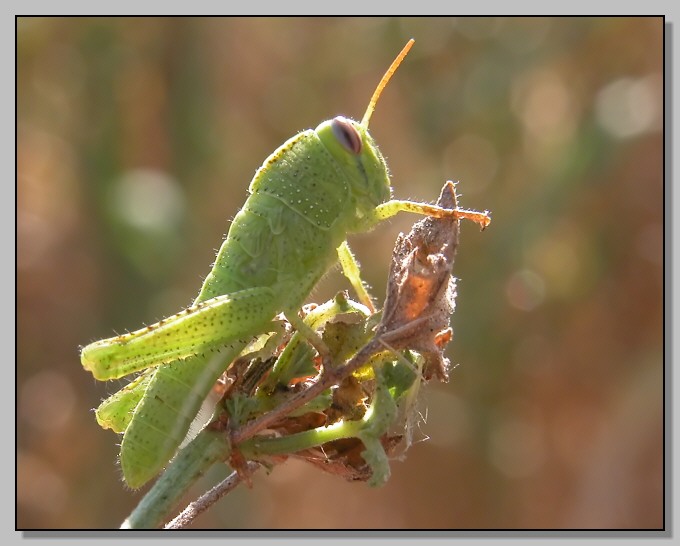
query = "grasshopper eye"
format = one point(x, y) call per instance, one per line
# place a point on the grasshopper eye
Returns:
point(346, 134)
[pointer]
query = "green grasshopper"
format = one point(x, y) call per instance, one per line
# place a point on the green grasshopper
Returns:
point(314, 190)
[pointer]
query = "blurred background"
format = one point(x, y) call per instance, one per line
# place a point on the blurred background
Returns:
point(137, 138)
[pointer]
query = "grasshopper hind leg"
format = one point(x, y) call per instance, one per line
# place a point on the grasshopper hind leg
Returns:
point(177, 390)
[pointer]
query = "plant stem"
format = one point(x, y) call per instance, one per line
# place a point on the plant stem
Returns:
point(189, 465)
point(259, 446)
point(205, 501)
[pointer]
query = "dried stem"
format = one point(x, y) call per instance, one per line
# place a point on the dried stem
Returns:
point(205, 501)
point(328, 378)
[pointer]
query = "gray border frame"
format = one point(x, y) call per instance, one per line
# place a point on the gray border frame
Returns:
point(379, 537)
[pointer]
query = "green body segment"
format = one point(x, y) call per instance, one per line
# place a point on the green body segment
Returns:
point(304, 200)
point(289, 227)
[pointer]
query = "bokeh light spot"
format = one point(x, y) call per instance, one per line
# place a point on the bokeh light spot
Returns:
point(147, 210)
point(545, 106)
point(148, 200)
point(525, 290)
point(628, 106)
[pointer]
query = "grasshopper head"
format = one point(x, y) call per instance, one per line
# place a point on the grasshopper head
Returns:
point(356, 152)
point(354, 149)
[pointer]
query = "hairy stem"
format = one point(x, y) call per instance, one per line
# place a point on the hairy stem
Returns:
point(189, 465)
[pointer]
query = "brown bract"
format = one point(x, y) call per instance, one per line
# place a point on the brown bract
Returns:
point(421, 291)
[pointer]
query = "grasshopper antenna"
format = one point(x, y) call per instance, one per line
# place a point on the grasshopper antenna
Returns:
point(383, 82)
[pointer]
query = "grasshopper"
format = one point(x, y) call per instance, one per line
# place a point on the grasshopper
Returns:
point(312, 192)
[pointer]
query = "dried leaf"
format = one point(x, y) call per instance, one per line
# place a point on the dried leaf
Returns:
point(421, 291)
